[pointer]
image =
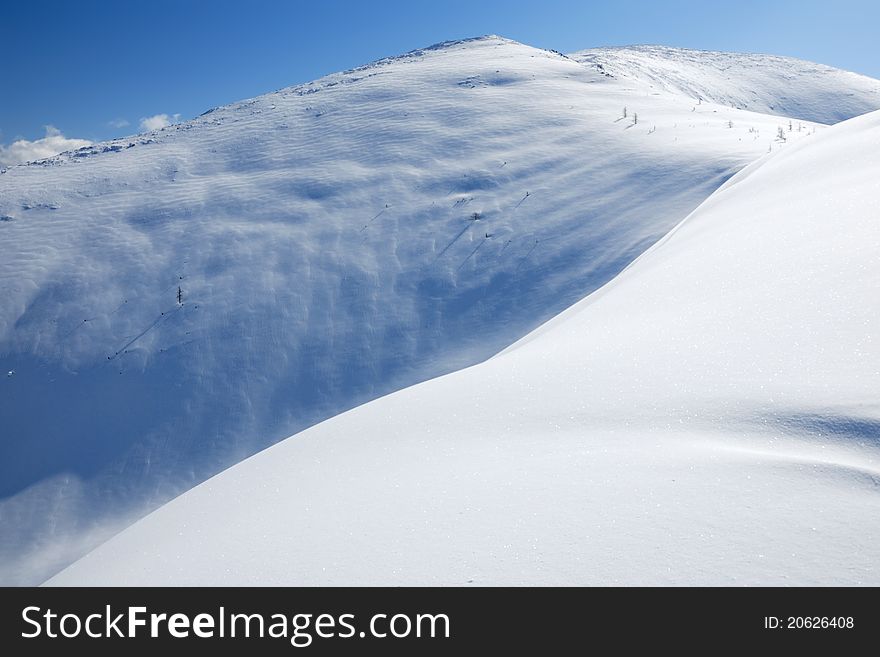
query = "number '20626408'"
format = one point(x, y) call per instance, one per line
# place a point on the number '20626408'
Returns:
point(809, 622)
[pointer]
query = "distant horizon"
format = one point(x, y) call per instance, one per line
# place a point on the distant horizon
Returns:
point(100, 70)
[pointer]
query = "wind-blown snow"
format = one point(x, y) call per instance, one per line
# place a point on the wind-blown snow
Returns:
point(708, 417)
point(333, 242)
point(761, 83)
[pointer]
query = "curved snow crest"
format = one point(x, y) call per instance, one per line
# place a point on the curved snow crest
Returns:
point(850, 135)
point(763, 83)
point(709, 418)
point(331, 246)
point(333, 243)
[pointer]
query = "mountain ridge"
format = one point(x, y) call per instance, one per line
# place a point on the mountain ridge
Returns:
point(330, 248)
point(774, 84)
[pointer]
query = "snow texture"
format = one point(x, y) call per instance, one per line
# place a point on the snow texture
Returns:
point(708, 417)
point(761, 83)
point(333, 242)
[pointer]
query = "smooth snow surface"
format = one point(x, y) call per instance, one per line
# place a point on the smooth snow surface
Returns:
point(711, 416)
point(761, 83)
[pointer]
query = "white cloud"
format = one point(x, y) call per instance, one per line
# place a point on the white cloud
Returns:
point(118, 123)
point(54, 142)
point(159, 121)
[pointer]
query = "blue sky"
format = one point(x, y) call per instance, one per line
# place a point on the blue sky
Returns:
point(94, 69)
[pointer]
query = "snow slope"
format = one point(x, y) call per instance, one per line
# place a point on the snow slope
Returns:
point(761, 83)
point(333, 242)
point(709, 417)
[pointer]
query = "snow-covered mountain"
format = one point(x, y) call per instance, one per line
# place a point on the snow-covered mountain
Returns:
point(709, 417)
point(761, 83)
point(332, 243)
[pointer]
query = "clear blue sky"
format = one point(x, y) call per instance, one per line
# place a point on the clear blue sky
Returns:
point(81, 65)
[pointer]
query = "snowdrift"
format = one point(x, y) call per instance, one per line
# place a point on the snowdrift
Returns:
point(331, 242)
point(708, 417)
